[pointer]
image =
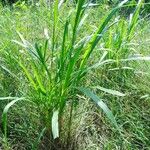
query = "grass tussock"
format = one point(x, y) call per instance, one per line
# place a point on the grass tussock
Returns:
point(58, 63)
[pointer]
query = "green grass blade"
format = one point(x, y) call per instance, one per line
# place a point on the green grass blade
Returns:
point(10, 72)
point(35, 145)
point(55, 11)
point(63, 49)
point(45, 49)
point(100, 64)
point(4, 114)
point(82, 21)
point(110, 91)
point(56, 16)
point(101, 104)
point(79, 14)
point(38, 78)
point(28, 76)
point(138, 58)
point(134, 19)
point(8, 98)
point(38, 50)
point(22, 39)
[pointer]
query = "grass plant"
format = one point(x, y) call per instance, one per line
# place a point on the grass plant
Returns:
point(53, 68)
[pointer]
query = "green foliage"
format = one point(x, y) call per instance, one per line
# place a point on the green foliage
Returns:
point(53, 70)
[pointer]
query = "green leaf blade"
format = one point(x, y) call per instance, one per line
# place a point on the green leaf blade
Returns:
point(110, 91)
point(101, 104)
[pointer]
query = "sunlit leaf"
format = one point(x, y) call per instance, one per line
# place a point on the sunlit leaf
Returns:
point(55, 126)
point(110, 91)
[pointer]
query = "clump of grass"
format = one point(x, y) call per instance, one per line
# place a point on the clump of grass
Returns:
point(56, 69)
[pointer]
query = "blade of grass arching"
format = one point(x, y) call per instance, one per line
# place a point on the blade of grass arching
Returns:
point(8, 98)
point(4, 115)
point(42, 57)
point(81, 72)
point(82, 21)
point(19, 43)
point(110, 91)
point(26, 45)
point(134, 19)
point(98, 34)
point(138, 58)
point(7, 70)
point(100, 64)
point(121, 68)
point(28, 76)
point(101, 104)
point(36, 52)
point(91, 5)
point(39, 52)
point(22, 38)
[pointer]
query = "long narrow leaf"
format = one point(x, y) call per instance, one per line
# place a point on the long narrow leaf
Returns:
point(4, 114)
point(110, 91)
point(100, 103)
point(10, 72)
point(134, 18)
point(8, 98)
point(35, 145)
point(28, 75)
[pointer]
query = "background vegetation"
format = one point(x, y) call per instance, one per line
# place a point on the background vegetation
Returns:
point(74, 75)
